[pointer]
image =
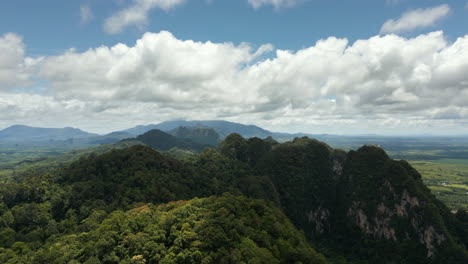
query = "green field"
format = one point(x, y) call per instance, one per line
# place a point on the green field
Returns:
point(449, 182)
point(12, 155)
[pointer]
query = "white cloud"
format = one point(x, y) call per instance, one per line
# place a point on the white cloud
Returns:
point(158, 68)
point(416, 19)
point(332, 86)
point(137, 14)
point(86, 14)
point(275, 3)
point(15, 68)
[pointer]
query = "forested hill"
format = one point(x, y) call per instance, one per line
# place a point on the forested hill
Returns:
point(353, 207)
point(188, 139)
point(226, 229)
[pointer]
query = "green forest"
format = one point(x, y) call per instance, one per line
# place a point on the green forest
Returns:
point(243, 201)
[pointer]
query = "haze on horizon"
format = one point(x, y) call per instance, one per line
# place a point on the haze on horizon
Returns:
point(348, 67)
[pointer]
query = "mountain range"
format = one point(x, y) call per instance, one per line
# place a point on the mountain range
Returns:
point(22, 133)
point(224, 128)
point(244, 201)
point(73, 136)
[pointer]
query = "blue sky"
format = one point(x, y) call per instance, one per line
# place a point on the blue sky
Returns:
point(258, 38)
point(52, 26)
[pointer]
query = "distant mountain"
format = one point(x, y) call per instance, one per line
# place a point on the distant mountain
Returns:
point(109, 138)
point(21, 133)
point(163, 141)
point(200, 135)
point(141, 129)
point(223, 128)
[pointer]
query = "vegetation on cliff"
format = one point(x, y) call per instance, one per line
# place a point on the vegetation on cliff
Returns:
point(354, 207)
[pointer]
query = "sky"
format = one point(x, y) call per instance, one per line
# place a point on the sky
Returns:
point(390, 67)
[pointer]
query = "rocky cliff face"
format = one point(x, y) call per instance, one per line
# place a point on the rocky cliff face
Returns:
point(358, 206)
point(390, 202)
point(362, 203)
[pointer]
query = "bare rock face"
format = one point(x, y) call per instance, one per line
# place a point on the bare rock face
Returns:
point(360, 203)
point(337, 167)
point(406, 203)
point(380, 226)
point(319, 217)
point(384, 199)
point(431, 239)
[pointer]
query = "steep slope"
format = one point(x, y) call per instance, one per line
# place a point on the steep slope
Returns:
point(388, 202)
point(225, 229)
point(20, 133)
point(224, 128)
point(363, 204)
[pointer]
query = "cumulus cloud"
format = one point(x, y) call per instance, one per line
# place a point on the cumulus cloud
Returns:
point(332, 86)
point(15, 68)
point(159, 68)
point(416, 19)
point(86, 14)
point(275, 3)
point(137, 14)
